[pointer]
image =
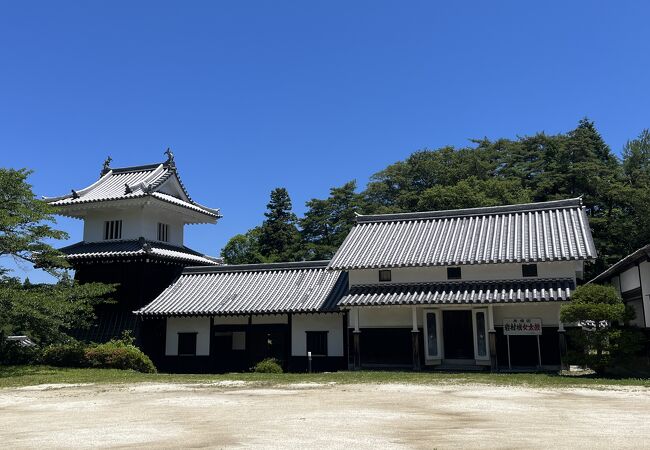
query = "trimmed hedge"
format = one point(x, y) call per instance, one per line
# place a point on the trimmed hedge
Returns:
point(114, 354)
point(268, 365)
point(72, 354)
point(119, 355)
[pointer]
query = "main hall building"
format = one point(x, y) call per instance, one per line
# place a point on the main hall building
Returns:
point(477, 288)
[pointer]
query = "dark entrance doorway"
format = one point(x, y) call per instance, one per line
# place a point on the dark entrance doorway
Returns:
point(267, 343)
point(457, 334)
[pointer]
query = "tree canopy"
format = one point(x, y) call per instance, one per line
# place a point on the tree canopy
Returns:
point(541, 167)
point(45, 312)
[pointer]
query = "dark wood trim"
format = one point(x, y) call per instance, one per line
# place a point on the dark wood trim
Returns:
point(415, 343)
point(346, 337)
point(211, 336)
point(638, 266)
point(563, 349)
point(357, 350)
point(289, 343)
point(494, 362)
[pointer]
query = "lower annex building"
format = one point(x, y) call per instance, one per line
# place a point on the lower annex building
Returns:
point(470, 288)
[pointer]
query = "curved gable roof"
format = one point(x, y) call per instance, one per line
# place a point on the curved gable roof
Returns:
point(135, 182)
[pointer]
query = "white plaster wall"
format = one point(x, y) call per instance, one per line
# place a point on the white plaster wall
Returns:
point(332, 323)
point(645, 290)
point(505, 271)
point(131, 223)
point(137, 221)
point(231, 320)
point(630, 279)
point(548, 312)
point(385, 317)
point(199, 325)
point(276, 318)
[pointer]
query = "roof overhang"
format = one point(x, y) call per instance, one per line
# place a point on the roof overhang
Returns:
point(642, 254)
point(189, 215)
point(459, 293)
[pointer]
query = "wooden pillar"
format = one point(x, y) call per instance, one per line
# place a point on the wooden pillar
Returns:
point(492, 336)
point(356, 335)
point(415, 339)
point(357, 350)
point(288, 344)
point(562, 342)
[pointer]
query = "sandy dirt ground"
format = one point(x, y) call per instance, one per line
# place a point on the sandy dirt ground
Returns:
point(233, 414)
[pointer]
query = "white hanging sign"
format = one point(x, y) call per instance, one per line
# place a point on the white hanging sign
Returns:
point(522, 327)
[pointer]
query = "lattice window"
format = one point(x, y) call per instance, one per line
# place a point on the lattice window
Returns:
point(163, 232)
point(112, 229)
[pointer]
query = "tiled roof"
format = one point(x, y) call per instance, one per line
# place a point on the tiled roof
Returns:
point(642, 254)
point(132, 183)
point(251, 289)
point(462, 292)
point(130, 248)
point(545, 231)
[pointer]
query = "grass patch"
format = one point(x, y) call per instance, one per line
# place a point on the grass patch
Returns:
point(14, 376)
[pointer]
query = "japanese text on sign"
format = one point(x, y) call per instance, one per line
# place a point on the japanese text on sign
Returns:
point(530, 327)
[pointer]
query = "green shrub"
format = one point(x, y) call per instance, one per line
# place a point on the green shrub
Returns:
point(71, 354)
point(268, 365)
point(600, 343)
point(118, 354)
point(12, 353)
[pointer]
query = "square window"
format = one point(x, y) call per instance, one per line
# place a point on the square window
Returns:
point(384, 275)
point(187, 344)
point(239, 340)
point(529, 270)
point(317, 343)
point(453, 273)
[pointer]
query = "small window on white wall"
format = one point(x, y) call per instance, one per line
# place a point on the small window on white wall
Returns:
point(317, 343)
point(384, 275)
point(112, 229)
point(163, 232)
point(187, 344)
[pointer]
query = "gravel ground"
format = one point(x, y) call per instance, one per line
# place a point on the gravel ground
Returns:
point(237, 414)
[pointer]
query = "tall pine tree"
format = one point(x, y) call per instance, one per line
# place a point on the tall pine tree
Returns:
point(279, 236)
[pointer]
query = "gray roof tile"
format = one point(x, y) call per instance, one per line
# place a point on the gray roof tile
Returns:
point(251, 289)
point(142, 181)
point(462, 292)
point(131, 248)
point(545, 231)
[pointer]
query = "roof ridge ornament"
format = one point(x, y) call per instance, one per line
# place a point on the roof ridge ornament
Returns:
point(170, 158)
point(106, 167)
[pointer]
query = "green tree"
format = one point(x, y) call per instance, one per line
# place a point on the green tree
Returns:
point(45, 312)
point(473, 193)
point(24, 223)
point(243, 248)
point(278, 237)
point(599, 309)
point(636, 159)
point(327, 222)
point(635, 220)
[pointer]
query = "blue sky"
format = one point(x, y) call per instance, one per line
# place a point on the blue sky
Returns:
point(305, 95)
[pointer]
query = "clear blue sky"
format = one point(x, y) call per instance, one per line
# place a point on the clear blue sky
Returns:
point(305, 95)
